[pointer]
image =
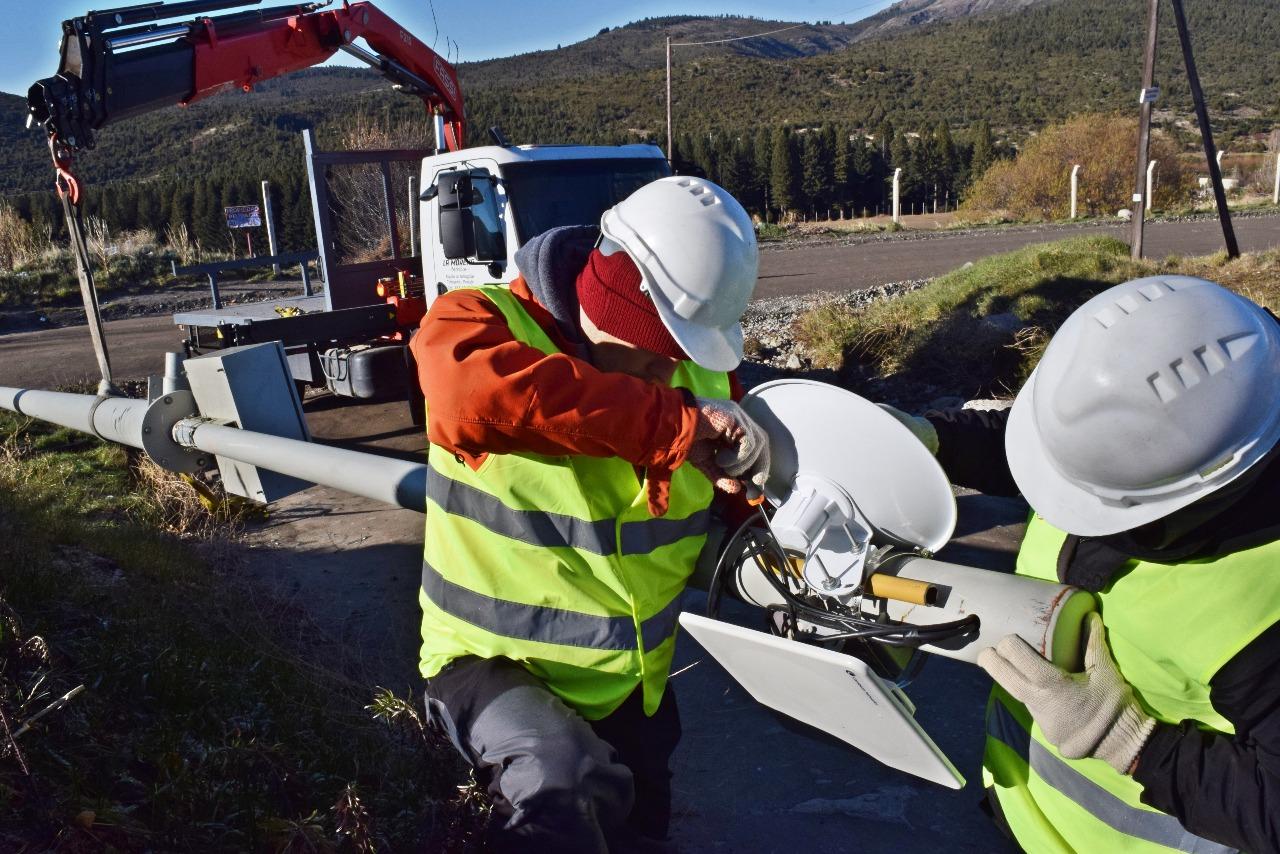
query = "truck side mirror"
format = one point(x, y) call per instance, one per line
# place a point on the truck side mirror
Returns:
point(457, 229)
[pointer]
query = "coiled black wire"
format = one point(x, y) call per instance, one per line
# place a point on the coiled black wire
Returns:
point(847, 624)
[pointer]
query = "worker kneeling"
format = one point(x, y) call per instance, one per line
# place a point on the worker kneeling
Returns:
point(578, 422)
point(1146, 441)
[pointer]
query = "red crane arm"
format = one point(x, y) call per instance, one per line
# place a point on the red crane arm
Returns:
point(244, 56)
point(124, 62)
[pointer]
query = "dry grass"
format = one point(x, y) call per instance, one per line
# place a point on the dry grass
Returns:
point(1037, 185)
point(191, 505)
point(19, 243)
point(980, 330)
point(215, 718)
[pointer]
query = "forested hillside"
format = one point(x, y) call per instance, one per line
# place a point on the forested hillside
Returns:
point(925, 98)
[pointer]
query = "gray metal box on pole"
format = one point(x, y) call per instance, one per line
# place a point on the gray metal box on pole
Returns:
point(270, 214)
point(252, 388)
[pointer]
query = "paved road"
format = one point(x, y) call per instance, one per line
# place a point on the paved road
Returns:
point(837, 267)
point(54, 357)
point(57, 356)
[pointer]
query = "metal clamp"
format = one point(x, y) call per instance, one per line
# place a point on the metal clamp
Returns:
point(158, 434)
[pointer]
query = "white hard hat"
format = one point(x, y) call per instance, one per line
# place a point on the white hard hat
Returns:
point(696, 249)
point(1152, 395)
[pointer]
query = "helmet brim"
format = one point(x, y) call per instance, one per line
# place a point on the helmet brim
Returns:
point(713, 349)
point(1059, 501)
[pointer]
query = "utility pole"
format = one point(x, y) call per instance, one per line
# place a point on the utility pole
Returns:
point(670, 148)
point(1147, 99)
point(1206, 132)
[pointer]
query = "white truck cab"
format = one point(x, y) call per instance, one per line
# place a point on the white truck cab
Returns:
point(480, 205)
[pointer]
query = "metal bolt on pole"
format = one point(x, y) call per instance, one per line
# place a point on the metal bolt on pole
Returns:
point(270, 214)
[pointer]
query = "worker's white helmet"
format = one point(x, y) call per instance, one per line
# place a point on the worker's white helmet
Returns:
point(696, 249)
point(1152, 395)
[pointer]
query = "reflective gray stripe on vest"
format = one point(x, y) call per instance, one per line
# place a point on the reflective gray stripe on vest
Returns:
point(1156, 827)
point(544, 624)
point(540, 528)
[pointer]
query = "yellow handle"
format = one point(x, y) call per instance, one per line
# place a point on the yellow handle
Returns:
point(907, 590)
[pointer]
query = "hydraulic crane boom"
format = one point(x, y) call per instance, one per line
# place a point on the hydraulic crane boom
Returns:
point(124, 62)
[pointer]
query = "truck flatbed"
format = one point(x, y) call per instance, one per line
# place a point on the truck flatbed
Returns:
point(252, 312)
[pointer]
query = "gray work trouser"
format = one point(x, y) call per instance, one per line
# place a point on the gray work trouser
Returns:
point(558, 782)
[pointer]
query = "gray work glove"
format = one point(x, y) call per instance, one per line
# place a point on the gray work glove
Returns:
point(918, 425)
point(1089, 714)
point(729, 447)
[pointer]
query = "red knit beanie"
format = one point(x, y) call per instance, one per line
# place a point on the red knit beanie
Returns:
point(609, 292)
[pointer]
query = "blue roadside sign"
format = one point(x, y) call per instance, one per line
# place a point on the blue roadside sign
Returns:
point(243, 216)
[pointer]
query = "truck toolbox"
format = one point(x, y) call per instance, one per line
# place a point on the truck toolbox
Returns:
point(365, 371)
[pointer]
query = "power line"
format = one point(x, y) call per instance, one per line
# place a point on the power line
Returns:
point(842, 15)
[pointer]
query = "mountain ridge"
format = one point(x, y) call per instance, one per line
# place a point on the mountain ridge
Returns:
point(1017, 71)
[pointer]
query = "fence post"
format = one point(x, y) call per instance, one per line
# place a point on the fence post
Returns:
point(1151, 183)
point(270, 214)
point(897, 195)
point(1075, 189)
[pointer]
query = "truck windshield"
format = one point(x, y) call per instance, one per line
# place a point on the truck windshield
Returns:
point(552, 193)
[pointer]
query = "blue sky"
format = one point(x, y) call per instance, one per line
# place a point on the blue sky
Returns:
point(481, 28)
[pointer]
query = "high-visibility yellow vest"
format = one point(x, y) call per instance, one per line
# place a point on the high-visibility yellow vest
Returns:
point(555, 562)
point(1171, 628)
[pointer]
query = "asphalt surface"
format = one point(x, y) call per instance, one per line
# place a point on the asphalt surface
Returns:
point(922, 255)
point(57, 356)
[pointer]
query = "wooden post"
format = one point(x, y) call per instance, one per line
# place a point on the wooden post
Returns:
point(1147, 99)
point(1206, 132)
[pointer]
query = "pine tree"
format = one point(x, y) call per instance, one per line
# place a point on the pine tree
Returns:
point(815, 166)
point(886, 136)
point(841, 155)
point(984, 150)
point(782, 172)
point(863, 182)
point(948, 161)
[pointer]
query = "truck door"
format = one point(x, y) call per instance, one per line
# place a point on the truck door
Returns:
point(492, 236)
